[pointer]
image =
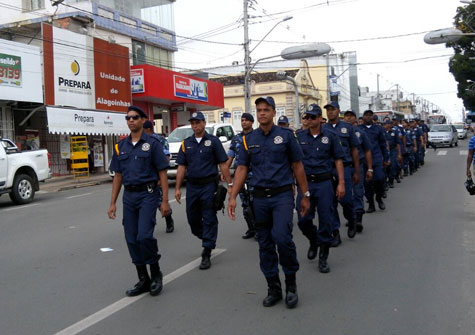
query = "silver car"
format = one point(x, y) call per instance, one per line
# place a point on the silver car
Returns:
point(443, 135)
point(461, 131)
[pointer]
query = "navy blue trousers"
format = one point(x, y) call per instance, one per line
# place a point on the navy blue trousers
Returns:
point(347, 201)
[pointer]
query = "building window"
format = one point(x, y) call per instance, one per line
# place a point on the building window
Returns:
point(279, 111)
point(30, 5)
point(237, 119)
point(138, 52)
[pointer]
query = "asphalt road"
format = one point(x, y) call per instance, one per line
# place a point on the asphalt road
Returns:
point(410, 272)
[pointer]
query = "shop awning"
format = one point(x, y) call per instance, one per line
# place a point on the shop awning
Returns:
point(85, 122)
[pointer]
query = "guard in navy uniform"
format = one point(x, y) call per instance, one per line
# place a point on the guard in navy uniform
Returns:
point(233, 154)
point(198, 159)
point(139, 162)
point(274, 156)
point(394, 143)
point(148, 129)
point(321, 151)
point(411, 149)
point(380, 155)
point(366, 168)
point(351, 162)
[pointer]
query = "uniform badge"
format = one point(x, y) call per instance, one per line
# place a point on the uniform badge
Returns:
point(194, 115)
point(358, 134)
point(325, 140)
point(207, 143)
point(278, 140)
point(392, 134)
point(145, 147)
point(344, 130)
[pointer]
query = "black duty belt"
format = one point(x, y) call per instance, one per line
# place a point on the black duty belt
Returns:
point(260, 192)
point(350, 164)
point(203, 181)
point(150, 186)
point(318, 178)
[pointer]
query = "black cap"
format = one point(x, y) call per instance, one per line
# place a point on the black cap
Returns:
point(138, 110)
point(350, 112)
point(283, 120)
point(313, 109)
point(267, 99)
point(369, 111)
point(333, 104)
point(197, 116)
point(148, 124)
point(247, 116)
point(375, 117)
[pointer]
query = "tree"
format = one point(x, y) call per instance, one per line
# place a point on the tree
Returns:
point(462, 64)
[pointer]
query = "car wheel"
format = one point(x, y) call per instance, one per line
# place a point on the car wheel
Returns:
point(23, 190)
point(451, 145)
point(457, 143)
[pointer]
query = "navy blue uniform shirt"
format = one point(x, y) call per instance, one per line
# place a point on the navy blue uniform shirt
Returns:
point(410, 137)
point(235, 147)
point(377, 139)
point(201, 159)
point(270, 156)
point(319, 153)
point(392, 138)
point(164, 142)
point(139, 164)
point(364, 142)
point(347, 137)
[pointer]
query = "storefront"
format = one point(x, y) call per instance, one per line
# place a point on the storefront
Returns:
point(169, 97)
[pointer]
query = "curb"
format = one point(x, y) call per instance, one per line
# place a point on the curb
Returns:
point(92, 183)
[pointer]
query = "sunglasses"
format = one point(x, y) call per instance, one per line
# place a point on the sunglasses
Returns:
point(309, 117)
point(133, 117)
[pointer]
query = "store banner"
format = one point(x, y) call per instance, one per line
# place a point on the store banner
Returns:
point(137, 82)
point(75, 121)
point(190, 88)
point(20, 72)
point(85, 72)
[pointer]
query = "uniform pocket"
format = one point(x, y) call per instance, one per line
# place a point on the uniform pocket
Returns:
point(278, 153)
point(255, 155)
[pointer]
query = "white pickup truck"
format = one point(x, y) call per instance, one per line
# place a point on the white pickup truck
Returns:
point(21, 171)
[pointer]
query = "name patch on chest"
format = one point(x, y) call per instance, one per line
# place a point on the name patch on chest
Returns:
point(278, 140)
point(145, 147)
point(207, 143)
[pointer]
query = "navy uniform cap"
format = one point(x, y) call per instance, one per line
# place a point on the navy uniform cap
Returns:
point(350, 112)
point(148, 124)
point(283, 119)
point(138, 110)
point(388, 122)
point(197, 116)
point(333, 104)
point(314, 109)
point(369, 111)
point(268, 100)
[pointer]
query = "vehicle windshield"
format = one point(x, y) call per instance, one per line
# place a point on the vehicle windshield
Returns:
point(180, 134)
point(458, 126)
point(441, 129)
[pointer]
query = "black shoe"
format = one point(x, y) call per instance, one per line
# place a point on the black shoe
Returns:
point(156, 284)
point(386, 187)
point(312, 252)
point(336, 239)
point(144, 282)
point(291, 297)
point(274, 292)
point(249, 234)
point(384, 195)
point(322, 259)
point(205, 259)
point(351, 229)
point(359, 224)
point(391, 184)
point(406, 173)
point(170, 224)
point(371, 208)
point(398, 180)
point(381, 204)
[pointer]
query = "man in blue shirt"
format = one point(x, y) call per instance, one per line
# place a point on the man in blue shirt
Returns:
point(233, 155)
point(321, 151)
point(138, 162)
point(148, 129)
point(274, 156)
point(394, 145)
point(470, 161)
point(411, 149)
point(351, 163)
point(198, 159)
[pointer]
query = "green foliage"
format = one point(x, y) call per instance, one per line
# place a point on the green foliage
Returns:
point(462, 64)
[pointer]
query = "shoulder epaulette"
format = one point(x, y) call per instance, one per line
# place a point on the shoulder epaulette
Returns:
point(244, 142)
point(183, 145)
point(117, 149)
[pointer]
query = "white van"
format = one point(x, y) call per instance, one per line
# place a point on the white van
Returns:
point(224, 131)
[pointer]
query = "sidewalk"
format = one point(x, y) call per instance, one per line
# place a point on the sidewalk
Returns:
point(63, 183)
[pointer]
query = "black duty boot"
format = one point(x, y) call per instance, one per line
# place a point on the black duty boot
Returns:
point(170, 224)
point(381, 204)
point(156, 283)
point(249, 234)
point(274, 291)
point(351, 229)
point(336, 239)
point(371, 208)
point(144, 282)
point(391, 183)
point(291, 297)
point(312, 251)
point(205, 259)
point(398, 180)
point(359, 222)
point(322, 259)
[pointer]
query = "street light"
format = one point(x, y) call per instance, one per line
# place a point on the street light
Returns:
point(447, 35)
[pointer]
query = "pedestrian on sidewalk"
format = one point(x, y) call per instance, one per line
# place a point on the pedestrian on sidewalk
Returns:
point(139, 162)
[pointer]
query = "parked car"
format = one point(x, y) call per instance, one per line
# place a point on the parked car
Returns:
point(224, 131)
point(443, 134)
point(22, 171)
point(461, 131)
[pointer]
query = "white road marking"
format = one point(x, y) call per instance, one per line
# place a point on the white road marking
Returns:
point(79, 195)
point(442, 153)
point(19, 207)
point(463, 152)
point(124, 302)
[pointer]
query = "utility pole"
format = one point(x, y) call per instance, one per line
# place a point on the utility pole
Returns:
point(377, 91)
point(247, 75)
point(397, 97)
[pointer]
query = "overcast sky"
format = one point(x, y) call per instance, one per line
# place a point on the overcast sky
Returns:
point(339, 20)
